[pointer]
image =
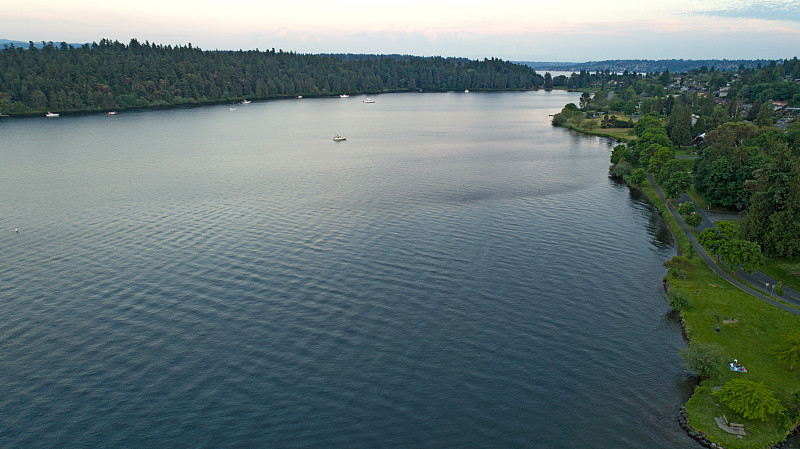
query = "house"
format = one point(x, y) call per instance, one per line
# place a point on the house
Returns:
point(779, 105)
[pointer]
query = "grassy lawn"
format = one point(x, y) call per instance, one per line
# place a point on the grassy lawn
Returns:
point(786, 271)
point(685, 151)
point(750, 329)
point(686, 164)
point(698, 199)
point(684, 245)
point(592, 127)
point(620, 133)
point(733, 222)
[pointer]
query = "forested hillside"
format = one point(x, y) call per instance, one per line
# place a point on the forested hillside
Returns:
point(112, 75)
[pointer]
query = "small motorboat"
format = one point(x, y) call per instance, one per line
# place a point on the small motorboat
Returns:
point(344, 96)
point(51, 115)
point(466, 91)
point(369, 100)
point(112, 112)
point(338, 138)
point(245, 101)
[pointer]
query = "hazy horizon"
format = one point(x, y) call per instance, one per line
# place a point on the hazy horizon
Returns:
point(533, 31)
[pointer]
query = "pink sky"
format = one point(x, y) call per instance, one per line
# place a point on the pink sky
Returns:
point(532, 30)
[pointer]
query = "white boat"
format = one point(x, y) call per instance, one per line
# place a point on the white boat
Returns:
point(112, 112)
point(466, 91)
point(344, 96)
point(338, 138)
point(299, 96)
point(245, 101)
point(51, 115)
point(369, 100)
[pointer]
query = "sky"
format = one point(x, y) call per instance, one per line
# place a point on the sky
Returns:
point(516, 30)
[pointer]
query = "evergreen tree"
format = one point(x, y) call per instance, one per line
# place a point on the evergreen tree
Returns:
point(548, 81)
point(680, 125)
point(764, 117)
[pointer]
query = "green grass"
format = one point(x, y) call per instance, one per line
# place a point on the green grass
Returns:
point(684, 245)
point(698, 198)
point(686, 164)
point(751, 338)
point(613, 133)
point(685, 151)
point(733, 222)
point(786, 271)
point(623, 134)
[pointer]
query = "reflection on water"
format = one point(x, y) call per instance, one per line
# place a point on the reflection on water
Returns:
point(458, 273)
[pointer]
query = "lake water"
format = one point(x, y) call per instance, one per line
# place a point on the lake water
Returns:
point(458, 273)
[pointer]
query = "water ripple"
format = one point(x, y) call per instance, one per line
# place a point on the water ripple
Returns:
point(455, 275)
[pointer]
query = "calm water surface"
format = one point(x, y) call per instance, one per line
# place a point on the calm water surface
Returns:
point(458, 273)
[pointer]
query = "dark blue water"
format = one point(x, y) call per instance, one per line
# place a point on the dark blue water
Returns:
point(458, 273)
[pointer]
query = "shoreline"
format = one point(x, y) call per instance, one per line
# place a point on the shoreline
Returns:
point(199, 104)
point(703, 437)
point(588, 132)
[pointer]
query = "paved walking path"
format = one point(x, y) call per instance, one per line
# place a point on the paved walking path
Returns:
point(757, 278)
point(713, 265)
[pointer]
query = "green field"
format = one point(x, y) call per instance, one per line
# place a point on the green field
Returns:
point(750, 329)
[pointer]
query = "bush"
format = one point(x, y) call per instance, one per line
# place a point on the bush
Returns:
point(779, 289)
point(789, 350)
point(678, 300)
point(621, 152)
point(620, 169)
point(679, 264)
point(622, 124)
point(638, 176)
point(686, 208)
point(753, 400)
point(693, 220)
point(703, 360)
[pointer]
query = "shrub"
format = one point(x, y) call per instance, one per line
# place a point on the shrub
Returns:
point(686, 208)
point(693, 220)
point(620, 169)
point(638, 176)
point(704, 360)
point(679, 264)
point(678, 300)
point(779, 289)
point(789, 350)
point(621, 152)
point(753, 400)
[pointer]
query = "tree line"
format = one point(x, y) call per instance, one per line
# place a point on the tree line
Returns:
point(744, 162)
point(111, 75)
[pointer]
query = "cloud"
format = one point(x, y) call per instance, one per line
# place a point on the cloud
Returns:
point(761, 9)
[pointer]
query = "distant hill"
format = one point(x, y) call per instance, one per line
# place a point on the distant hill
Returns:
point(394, 56)
point(108, 76)
point(644, 65)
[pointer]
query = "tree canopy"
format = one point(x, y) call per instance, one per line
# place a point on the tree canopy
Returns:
point(111, 75)
point(753, 400)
